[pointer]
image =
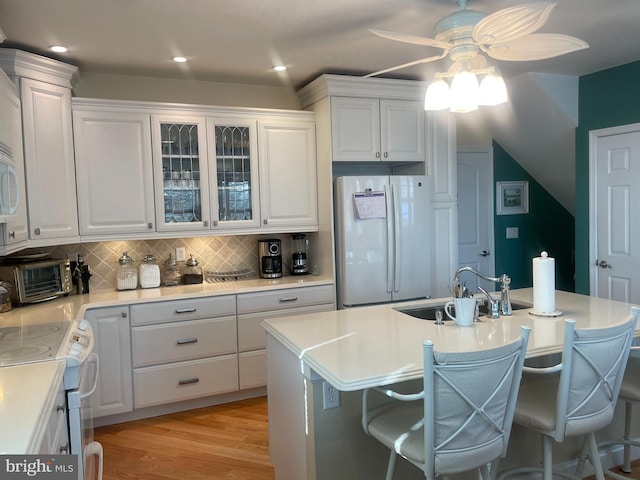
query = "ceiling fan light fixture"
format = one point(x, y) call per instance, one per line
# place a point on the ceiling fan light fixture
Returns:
point(464, 92)
point(438, 96)
point(492, 91)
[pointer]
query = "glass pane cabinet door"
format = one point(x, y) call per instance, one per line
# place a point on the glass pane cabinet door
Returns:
point(183, 176)
point(235, 198)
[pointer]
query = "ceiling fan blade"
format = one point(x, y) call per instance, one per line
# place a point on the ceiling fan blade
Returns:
point(510, 23)
point(537, 46)
point(403, 37)
point(405, 65)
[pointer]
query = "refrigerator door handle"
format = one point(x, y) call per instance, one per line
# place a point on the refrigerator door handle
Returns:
point(388, 195)
point(396, 240)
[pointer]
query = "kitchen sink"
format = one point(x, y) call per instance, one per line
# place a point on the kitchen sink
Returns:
point(429, 312)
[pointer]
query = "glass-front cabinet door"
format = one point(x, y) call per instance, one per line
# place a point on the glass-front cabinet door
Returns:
point(181, 175)
point(233, 164)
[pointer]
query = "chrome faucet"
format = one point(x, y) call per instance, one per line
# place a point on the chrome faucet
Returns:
point(505, 283)
point(494, 305)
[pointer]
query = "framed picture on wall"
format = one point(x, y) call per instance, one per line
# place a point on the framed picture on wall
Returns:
point(512, 198)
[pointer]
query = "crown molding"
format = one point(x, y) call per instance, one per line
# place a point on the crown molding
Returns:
point(17, 63)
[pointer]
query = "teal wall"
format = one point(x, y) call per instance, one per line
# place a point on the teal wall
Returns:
point(548, 226)
point(606, 99)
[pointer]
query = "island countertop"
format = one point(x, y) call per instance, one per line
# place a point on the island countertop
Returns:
point(363, 347)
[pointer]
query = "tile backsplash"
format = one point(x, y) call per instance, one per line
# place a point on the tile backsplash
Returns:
point(216, 254)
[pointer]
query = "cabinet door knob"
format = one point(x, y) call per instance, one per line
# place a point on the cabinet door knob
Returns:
point(377, 154)
point(206, 223)
point(37, 231)
point(124, 314)
point(150, 225)
point(264, 221)
point(12, 234)
point(386, 154)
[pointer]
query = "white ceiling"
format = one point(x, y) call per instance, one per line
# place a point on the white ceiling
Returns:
point(239, 41)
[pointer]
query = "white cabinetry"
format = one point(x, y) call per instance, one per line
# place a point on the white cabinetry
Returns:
point(288, 180)
point(56, 438)
point(113, 345)
point(13, 229)
point(371, 129)
point(253, 308)
point(114, 170)
point(45, 92)
point(184, 349)
point(444, 200)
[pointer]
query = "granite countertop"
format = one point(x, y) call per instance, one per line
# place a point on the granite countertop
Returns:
point(73, 306)
point(27, 396)
point(370, 346)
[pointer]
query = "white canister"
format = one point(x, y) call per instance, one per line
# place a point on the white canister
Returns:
point(149, 272)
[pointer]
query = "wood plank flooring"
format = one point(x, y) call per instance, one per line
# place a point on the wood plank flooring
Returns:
point(224, 442)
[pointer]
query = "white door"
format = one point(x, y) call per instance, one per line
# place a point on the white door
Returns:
point(475, 216)
point(614, 198)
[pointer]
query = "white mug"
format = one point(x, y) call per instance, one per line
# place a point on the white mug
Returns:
point(465, 311)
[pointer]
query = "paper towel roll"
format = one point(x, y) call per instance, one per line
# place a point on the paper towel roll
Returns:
point(544, 283)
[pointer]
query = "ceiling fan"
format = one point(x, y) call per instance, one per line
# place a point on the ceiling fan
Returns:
point(467, 35)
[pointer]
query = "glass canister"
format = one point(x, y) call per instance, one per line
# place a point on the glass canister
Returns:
point(149, 272)
point(170, 272)
point(192, 272)
point(5, 297)
point(126, 273)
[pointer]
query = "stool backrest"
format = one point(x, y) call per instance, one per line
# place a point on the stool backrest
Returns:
point(469, 401)
point(593, 364)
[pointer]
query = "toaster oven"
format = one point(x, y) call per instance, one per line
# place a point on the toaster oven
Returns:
point(37, 281)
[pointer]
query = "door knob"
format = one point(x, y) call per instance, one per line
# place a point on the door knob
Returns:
point(484, 253)
point(602, 264)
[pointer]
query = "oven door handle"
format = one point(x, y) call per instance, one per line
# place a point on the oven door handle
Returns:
point(91, 358)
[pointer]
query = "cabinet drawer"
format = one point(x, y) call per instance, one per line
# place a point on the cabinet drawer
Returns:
point(287, 298)
point(178, 310)
point(185, 380)
point(251, 333)
point(172, 342)
point(253, 369)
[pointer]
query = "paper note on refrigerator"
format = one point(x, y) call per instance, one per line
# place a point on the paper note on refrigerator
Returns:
point(370, 205)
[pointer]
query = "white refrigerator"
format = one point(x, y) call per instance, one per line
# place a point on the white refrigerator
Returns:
point(382, 239)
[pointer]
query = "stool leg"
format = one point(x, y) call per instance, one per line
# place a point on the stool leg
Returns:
point(594, 456)
point(547, 457)
point(626, 465)
point(392, 465)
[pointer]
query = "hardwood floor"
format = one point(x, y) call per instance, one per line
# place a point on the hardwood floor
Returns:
point(227, 442)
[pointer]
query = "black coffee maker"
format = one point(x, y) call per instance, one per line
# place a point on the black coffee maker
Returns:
point(270, 258)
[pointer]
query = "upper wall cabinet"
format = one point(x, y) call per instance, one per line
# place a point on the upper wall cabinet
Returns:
point(288, 180)
point(114, 169)
point(181, 173)
point(45, 93)
point(233, 171)
point(368, 129)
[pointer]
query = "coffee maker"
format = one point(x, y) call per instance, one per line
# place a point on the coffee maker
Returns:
point(299, 260)
point(270, 258)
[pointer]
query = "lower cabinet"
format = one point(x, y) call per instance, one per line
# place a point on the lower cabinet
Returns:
point(253, 308)
point(163, 352)
point(177, 355)
point(112, 337)
point(56, 438)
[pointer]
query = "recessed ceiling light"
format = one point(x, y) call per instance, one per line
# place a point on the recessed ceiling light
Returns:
point(279, 68)
point(58, 48)
point(180, 59)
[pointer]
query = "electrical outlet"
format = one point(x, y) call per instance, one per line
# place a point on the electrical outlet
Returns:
point(180, 254)
point(330, 396)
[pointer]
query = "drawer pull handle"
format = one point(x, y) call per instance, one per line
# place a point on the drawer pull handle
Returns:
point(188, 381)
point(289, 299)
point(185, 341)
point(60, 408)
point(186, 310)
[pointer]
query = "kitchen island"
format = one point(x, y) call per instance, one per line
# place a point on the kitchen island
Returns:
point(320, 360)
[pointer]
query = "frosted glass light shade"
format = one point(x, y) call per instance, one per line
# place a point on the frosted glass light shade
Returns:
point(464, 92)
point(493, 91)
point(438, 95)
